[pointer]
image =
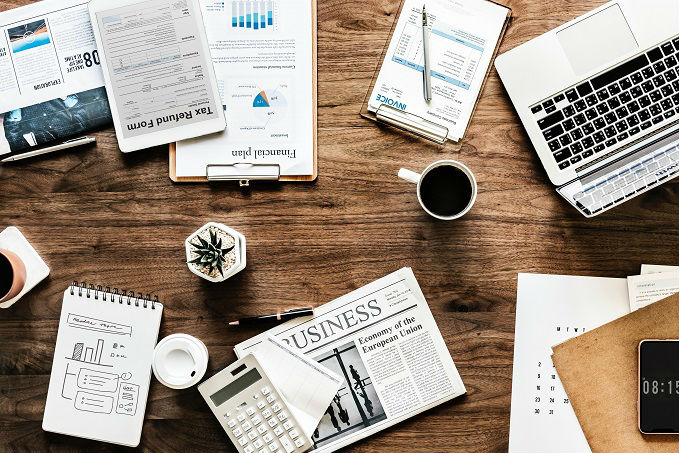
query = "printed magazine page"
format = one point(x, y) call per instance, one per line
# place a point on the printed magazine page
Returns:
point(382, 339)
point(51, 84)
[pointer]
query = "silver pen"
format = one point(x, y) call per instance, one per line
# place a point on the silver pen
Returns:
point(426, 73)
point(67, 144)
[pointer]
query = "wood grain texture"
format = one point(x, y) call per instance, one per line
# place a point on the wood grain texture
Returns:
point(95, 214)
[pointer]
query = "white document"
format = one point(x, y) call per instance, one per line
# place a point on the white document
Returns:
point(262, 51)
point(463, 37)
point(47, 51)
point(102, 367)
point(655, 268)
point(159, 75)
point(384, 343)
point(649, 288)
point(551, 309)
point(307, 386)
point(51, 84)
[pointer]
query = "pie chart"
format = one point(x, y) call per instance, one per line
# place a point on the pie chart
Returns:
point(261, 100)
point(269, 106)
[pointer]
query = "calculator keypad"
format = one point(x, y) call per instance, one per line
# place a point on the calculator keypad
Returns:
point(255, 416)
point(277, 435)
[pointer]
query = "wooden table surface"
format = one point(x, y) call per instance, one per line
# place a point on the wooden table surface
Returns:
point(98, 215)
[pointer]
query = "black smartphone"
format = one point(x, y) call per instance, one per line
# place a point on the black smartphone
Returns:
point(658, 404)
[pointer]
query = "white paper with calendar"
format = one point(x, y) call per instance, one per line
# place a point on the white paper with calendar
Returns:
point(551, 309)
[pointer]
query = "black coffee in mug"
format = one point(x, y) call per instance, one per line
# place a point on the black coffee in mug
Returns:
point(446, 190)
point(6, 275)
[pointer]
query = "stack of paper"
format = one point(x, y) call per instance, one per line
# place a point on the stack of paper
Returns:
point(599, 370)
point(654, 283)
point(551, 309)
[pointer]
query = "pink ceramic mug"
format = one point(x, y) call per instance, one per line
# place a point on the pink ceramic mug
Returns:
point(12, 275)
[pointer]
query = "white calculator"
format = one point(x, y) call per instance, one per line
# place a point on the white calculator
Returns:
point(251, 411)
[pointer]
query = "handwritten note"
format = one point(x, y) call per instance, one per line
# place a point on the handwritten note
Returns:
point(102, 369)
point(98, 325)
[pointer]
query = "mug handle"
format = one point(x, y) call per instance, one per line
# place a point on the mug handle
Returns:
point(409, 175)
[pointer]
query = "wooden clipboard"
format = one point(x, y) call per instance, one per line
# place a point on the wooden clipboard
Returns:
point(314, 94)
point(410, 122)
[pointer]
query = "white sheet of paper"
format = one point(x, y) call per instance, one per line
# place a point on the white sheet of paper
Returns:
point(551, 309)
point(265, 75)
point(655, 268)
point(101, 371)
point(307, 386)
point(463, 36)
point(648, 288)
point(47, 51)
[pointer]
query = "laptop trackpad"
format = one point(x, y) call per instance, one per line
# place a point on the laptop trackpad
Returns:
point(597, 40)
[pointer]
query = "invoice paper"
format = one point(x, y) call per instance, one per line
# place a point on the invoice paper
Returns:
point(463, 37)
point(262, 52)
point(648, 288)
point(307, 386)
point(551, 309)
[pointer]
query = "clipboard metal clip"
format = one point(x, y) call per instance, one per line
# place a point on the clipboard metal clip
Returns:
point(411, 123)
point(243, 172)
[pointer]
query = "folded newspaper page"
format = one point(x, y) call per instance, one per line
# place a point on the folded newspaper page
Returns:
point(51, 84)
point(383, 341)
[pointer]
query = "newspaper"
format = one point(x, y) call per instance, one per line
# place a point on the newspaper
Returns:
point(384, 342)
point(51, 84)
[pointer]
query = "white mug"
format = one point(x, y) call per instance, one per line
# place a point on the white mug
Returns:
point(416, 178)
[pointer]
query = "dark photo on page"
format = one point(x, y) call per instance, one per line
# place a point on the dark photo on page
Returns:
point(59, 119)
point(356, 405)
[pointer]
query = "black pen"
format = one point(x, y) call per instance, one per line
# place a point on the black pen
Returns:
point(280, 316)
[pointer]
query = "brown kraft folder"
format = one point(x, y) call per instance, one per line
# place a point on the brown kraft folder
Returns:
point(599, 370)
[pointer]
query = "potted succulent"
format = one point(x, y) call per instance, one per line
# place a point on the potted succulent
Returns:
point(215, 252)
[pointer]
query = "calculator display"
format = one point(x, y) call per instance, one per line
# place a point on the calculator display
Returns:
point(237, 386)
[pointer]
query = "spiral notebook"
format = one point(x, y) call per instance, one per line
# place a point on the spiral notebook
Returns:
point(102, 364)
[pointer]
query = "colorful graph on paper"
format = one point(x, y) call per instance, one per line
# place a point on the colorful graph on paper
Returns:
point(255, 15)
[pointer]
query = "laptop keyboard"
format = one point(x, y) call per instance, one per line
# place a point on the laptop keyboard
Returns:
point(637, 176)
point(580, 123)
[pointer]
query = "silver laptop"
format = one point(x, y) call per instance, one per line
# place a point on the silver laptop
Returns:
point(599, 98)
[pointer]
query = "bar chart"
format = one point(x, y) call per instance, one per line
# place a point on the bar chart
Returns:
point(255, 15)
point(87, 354)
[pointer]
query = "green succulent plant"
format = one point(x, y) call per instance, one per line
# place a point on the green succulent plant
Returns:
point(211, 255)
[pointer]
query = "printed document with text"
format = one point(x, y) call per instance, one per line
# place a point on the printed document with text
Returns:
point(51, 84)
point(262, 51)
point(462, 41)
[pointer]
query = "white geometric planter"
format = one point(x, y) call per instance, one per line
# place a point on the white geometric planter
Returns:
point(235, 258)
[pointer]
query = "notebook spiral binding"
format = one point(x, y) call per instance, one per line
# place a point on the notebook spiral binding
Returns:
point(124, 296)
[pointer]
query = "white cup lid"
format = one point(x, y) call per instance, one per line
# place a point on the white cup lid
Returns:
point(179, 361)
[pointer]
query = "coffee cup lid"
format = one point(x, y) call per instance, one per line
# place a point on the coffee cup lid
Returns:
point(179, 361)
